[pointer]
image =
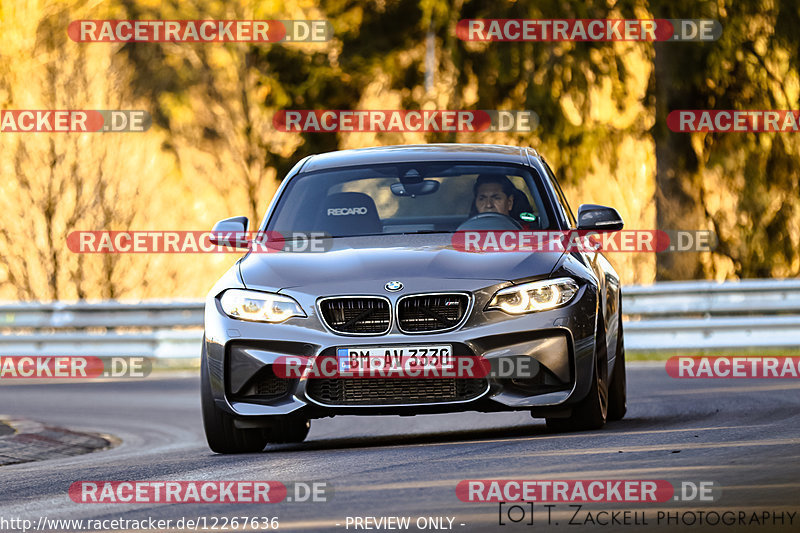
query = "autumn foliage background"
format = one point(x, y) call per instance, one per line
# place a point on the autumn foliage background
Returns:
point(212, 151)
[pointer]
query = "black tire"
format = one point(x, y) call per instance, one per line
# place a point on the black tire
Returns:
point(617, 388)
point(591, 412)
point(221, 434)
point(289, 430)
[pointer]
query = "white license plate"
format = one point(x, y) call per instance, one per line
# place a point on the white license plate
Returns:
point(384, 358)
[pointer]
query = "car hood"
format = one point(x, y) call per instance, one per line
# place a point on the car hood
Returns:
point(352, 261)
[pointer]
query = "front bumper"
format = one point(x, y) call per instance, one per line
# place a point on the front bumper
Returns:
point(559, 342)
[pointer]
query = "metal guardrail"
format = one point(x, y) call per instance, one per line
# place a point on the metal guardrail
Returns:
point(713, 316)
point(664, 316)
point(150, 328)
point(107, 314)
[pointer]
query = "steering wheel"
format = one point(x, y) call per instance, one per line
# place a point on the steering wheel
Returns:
point(489, 221)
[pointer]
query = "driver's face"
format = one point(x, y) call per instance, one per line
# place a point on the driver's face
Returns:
point(492, 199)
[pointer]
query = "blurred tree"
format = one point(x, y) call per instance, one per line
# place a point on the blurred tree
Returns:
point(55, 183)
point(744, 185)
point(678, 169)
point(214, 101)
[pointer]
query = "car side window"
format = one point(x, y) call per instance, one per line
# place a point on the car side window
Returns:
point(562, 199)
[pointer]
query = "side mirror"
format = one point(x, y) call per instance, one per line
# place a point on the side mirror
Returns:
point(599, 218)
point(231, 232)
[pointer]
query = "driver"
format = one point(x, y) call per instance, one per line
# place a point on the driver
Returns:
point(494, 193)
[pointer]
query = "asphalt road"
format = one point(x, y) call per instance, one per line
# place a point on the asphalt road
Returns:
point(742, 434)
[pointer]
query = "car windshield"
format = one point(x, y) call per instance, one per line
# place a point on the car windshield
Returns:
point(411, 198)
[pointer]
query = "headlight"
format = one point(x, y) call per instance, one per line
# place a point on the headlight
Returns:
point(259, 306)
point(535, 296)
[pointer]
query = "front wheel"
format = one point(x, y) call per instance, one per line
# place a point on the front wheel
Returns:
point(221, 434)
point(617, 394)
point(289, 429)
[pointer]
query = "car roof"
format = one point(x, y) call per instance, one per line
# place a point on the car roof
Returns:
point(419, 152)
